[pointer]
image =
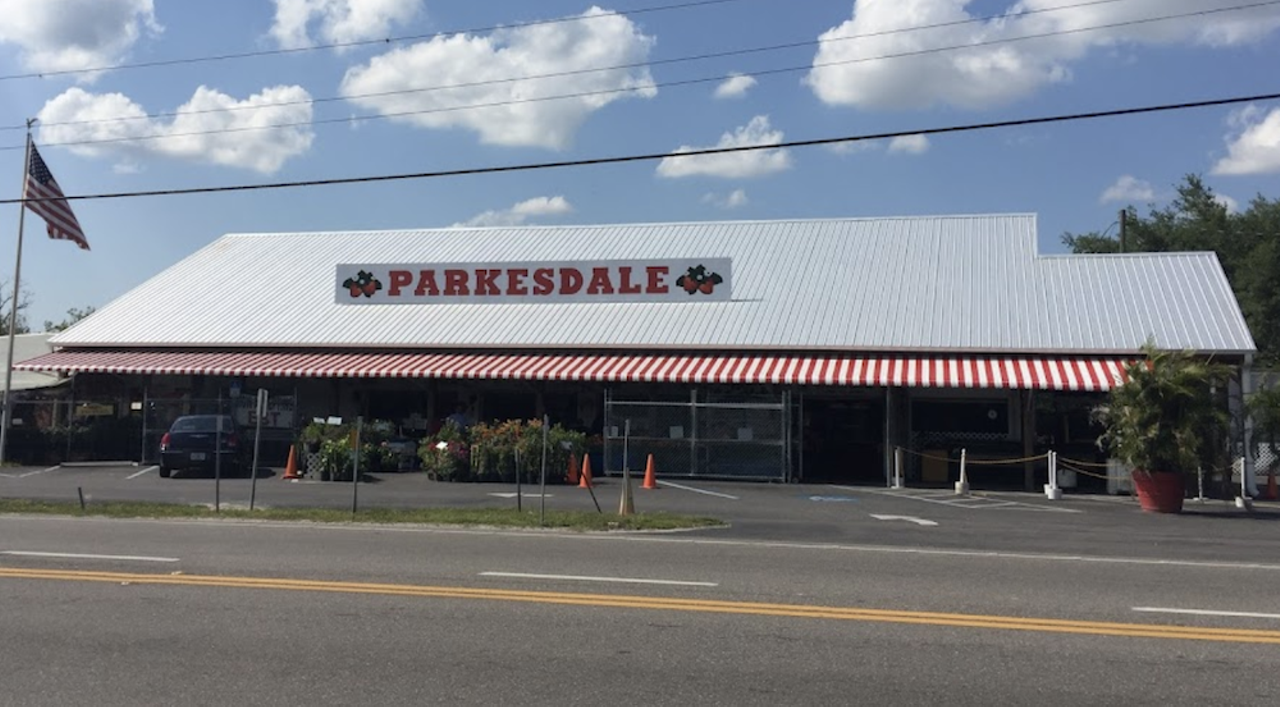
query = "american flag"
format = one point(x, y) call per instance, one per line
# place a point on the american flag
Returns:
point(57, 214)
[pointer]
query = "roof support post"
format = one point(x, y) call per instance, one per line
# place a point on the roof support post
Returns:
point(888, 440)
point(1247, 471)
point(1028, 438)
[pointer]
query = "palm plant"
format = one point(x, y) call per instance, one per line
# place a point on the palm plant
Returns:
point(1165, 417)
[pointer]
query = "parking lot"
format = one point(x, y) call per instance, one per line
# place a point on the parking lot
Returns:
point(928, 519)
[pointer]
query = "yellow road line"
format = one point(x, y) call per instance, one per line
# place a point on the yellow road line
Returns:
point(1012, 623)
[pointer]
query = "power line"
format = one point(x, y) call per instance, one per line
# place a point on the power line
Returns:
point(361, 43)
point(526, 167)
point(576, 72)
point(669, 84)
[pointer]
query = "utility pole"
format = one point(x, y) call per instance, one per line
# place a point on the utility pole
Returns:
point(1124, 216)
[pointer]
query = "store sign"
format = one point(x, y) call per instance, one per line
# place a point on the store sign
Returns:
point(276, 413)
point(682, 280)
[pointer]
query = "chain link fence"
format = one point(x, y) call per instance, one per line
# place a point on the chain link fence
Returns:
point(746, 437)
point(57, 431)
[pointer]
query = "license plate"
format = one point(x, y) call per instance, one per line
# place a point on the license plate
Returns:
point(197, 456)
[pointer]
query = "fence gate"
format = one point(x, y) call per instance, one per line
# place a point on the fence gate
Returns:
point(711, 436)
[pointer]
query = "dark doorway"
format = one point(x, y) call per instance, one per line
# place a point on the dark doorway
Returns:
point(843, 441)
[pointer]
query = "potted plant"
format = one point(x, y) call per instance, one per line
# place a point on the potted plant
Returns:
point(312, 435)
point(446, 456)
point(1164, 422)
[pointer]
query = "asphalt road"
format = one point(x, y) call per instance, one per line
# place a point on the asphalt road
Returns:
point(1100, 525)
point(128, 612)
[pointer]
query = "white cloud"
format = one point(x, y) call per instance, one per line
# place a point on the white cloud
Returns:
point(520, 213)
point(1231, 205)
point(75, 34)
point(211, 127)
point(1255, 147)
point(338, 21)
point(998, 74)
point(735, 199)
point(910, 144)
point(852, 147)
point(734, 165)
point(517, 113)
point(736, 86)
point(1128, 189)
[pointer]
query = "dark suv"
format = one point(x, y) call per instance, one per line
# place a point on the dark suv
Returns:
point(192, 442)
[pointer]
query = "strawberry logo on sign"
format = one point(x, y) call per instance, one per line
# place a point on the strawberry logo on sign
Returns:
point(363, 283)
point(699, 280)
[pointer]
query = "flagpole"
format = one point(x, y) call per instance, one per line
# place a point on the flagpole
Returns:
point(13, 304)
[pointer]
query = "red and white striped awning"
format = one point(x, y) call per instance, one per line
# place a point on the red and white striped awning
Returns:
point(1024, 372)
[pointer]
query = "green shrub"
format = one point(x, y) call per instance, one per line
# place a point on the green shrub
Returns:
point(489, 452)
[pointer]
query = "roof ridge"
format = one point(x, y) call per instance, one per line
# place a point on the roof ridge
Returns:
point(650, 224)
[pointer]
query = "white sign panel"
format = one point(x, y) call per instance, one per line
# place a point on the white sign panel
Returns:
point(674, 280)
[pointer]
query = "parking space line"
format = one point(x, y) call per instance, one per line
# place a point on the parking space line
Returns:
point(38, 471)
point(144, 471)
point(979, 503)
point(682, 487)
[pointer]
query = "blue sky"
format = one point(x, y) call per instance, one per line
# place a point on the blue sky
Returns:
point(1075, 176)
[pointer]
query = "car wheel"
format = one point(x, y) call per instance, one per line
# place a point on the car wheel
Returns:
point(165, 471)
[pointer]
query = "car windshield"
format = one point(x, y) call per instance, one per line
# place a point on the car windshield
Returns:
point(201, 423)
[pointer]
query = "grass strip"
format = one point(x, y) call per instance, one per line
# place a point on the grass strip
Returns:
point(490, 517)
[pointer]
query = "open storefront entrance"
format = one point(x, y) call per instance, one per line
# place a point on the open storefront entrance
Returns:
point(843, 440)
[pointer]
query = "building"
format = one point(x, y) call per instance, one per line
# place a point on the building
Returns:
point(782, 350)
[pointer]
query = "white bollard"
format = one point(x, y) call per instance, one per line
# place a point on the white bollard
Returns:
point(962, 486)
point(897, 468)
point(1051, 490)
point(1200, 485)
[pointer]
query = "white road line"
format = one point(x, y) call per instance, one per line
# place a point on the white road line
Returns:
point(144, 471)
point(971, 502)
point(1205, 612)
point(909, 519)
point(649, 538)
point(682, 487)
point(622, 580)
point(78, 556)
point(39, 471)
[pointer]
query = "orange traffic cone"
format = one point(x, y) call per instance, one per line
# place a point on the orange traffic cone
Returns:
point(291, 467)
point(585, 481)
point(572, 476)
point(649, 481)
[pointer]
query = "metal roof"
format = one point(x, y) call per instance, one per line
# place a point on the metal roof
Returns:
point(25, 348)
point(951, 283)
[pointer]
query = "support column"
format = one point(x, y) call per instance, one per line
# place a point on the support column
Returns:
point(1028, 400)
point(897, 427)
point(888, 438)
point(1247, 470)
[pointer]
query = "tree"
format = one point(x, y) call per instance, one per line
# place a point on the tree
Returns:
point(73, 315)
point(24, 301)
point(1196, 219)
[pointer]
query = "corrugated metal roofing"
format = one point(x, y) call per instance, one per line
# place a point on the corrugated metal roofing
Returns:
point(954, 283)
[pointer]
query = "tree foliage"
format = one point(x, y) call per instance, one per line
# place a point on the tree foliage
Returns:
point(24, 301)
point(73, 315)
point(1197, 220)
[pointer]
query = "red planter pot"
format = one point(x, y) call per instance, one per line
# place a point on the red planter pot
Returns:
point(1159, 491)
